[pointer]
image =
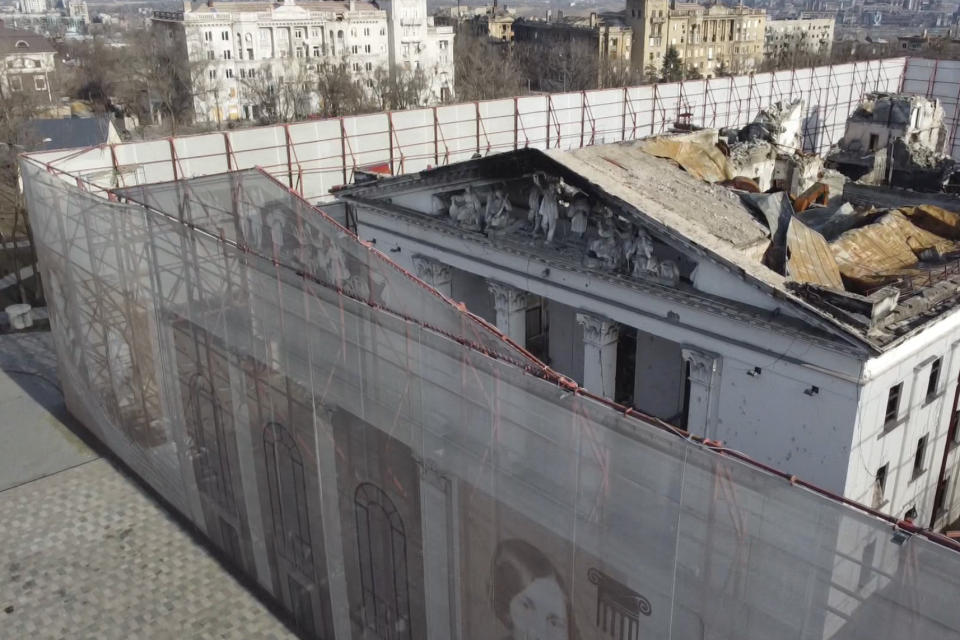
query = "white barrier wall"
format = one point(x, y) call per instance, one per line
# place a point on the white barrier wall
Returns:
point(938, 79)
point(313, 156)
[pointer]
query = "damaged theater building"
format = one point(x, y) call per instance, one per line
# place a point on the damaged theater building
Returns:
point(694, 386)
point(816, 336)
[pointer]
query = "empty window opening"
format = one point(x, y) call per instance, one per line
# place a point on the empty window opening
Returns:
point(537, 328)
point(933, 382)
point(893, 404)
point(880, 486)
point(919, 456)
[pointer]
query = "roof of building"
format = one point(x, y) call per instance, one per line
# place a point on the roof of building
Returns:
point(738, 232)
point(13, 41)
point(65, 133)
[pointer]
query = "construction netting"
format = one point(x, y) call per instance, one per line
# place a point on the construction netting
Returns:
point(388, 466)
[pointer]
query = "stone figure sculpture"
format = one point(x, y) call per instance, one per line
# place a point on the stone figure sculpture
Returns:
point(534, 197)
point(579, 213)
point(465, 209)
point(498, 209)
point(549, 211)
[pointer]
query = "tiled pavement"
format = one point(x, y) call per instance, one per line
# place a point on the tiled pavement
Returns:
point(84, 553)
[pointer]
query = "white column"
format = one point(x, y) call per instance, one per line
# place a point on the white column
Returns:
point(704, 373)
point(599, 354)
point(435, 273)
point(511, 306)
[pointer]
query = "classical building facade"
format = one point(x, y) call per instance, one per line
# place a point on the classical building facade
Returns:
point(708, 39)
point(248, 48)
point(652, 292)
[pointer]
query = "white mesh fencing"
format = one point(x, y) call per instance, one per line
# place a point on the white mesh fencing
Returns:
point(311, 157)
point(388, 466)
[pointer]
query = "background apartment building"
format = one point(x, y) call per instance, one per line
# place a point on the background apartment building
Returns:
point(244, 50)
point(707, 39)
point(28, 61)
point(788, 40)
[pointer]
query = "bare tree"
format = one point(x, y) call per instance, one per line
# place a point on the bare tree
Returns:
point(616, 73)
point(562, 66)
point(97, 70)
point(398, 87)
point(485, 69)
point(340, 92)
point(158, 65)
point(259, 89)
point(296, 87)
point(16, 109)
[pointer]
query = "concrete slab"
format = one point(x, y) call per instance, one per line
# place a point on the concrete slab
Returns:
point(38, 437)
point(86, 552)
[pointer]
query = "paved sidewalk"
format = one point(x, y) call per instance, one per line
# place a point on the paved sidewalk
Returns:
point(85, 553)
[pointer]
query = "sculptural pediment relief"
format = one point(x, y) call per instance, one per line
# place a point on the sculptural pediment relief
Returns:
point(552, 215)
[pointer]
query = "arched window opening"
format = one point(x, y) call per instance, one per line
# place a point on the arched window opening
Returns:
point(382, 550)
point(288, 497)
point(208, 432)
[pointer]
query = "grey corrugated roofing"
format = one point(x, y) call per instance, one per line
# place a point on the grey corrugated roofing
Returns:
point(65, 133)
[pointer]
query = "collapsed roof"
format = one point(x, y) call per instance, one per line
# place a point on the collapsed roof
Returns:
point(844, 281)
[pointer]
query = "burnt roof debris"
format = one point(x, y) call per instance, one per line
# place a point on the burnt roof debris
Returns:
point(874, 272)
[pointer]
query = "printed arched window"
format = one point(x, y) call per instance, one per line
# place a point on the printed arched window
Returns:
point(22, 44)
point(208, 432)
point(288, 497)
point(382, 550)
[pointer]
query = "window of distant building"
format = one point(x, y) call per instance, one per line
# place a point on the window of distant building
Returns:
point(369, 66)
point(40, 83)
point(212, 74)
point(224, 35)
point(354, 48)
point(22, 44)
point(298, 33)
point(226, 55)
point(228, 73)
point(16, 84)
point(208, 36)
point(211, 55)
point(367, 48)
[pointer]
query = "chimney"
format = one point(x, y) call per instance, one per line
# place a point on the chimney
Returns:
point(593, 20)
point(353, 5)
point(549, 15)
point(210, 4)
